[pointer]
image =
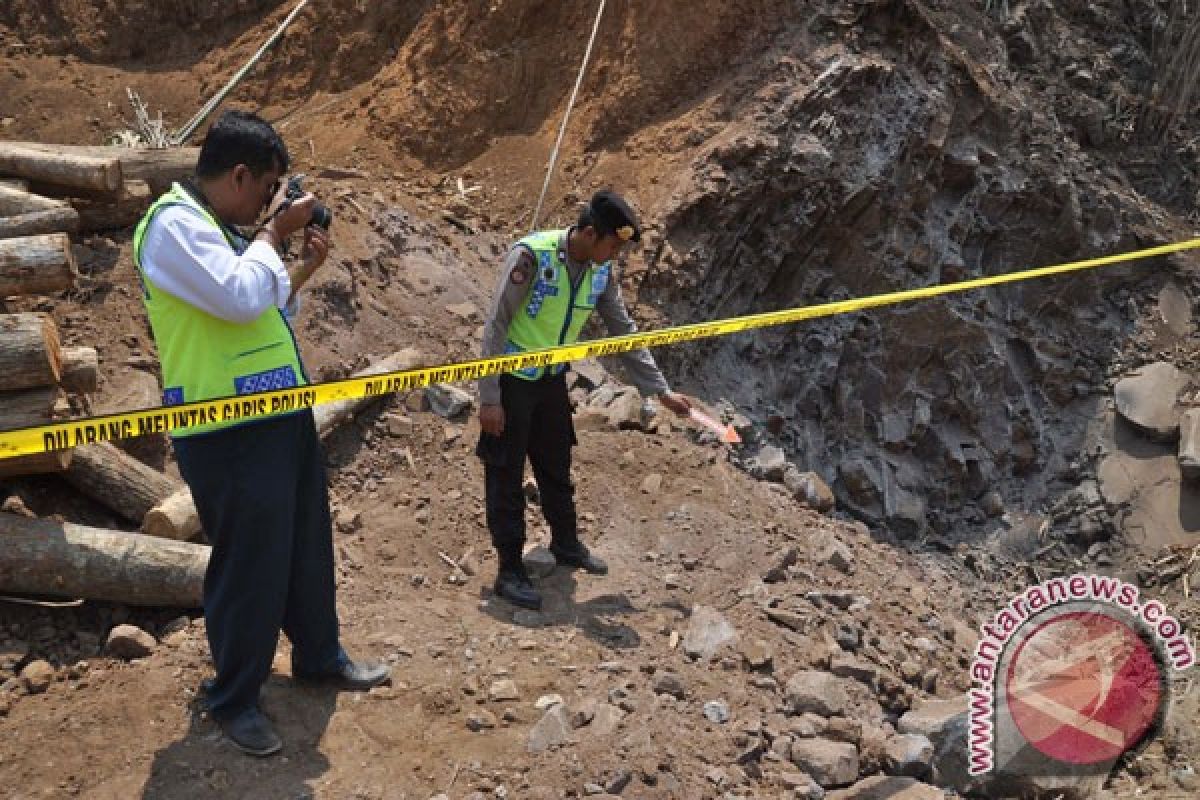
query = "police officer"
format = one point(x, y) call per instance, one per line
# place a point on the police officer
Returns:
point(552, 282)
point(219, 306)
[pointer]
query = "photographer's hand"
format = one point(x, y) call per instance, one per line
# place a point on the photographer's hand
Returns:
point(292, 218)
point(312, 256)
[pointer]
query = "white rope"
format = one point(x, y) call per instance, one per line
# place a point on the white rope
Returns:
point(537, 214)
point(195, 122)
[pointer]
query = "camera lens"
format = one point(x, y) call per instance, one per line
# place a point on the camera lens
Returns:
point(321, 216)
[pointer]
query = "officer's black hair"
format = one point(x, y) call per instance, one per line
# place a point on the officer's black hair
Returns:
point(240, 137)
point(589, 218)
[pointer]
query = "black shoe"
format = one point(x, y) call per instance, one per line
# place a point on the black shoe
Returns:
point(515, 587)
point(350, 677)
point(579, 557)
point(252, 733)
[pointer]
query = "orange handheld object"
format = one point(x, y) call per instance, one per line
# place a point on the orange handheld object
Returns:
point(725, 433)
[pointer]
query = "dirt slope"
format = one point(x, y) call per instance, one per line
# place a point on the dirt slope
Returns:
point(783, 153)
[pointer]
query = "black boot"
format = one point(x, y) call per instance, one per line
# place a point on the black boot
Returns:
point(252, 733)
point(350, 676)
point(577, 556)
point(513, 584)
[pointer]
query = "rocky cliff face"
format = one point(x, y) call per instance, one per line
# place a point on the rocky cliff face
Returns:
point(909, 153)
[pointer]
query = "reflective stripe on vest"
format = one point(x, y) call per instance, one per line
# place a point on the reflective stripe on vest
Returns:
point(204, 357)
point(553, 314)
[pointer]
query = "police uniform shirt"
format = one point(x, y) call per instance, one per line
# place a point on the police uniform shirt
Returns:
point(186, 256)
point(512, 295)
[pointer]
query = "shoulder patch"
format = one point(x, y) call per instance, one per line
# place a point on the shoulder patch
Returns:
point(522, 270)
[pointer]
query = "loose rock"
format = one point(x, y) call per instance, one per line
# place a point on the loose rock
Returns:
point(811, 489)
point(552, 730)
point(1149, 400)
point(818, 692)
point(481, 720)
point(129, 642)
point(882, 787)
point(669, 683)
point(716, 711)
point(909, 754)
point(829, 763)
point(37, 677)
point(707, 632)
point(448, 401)
point(1189, 445)
point(504, 690)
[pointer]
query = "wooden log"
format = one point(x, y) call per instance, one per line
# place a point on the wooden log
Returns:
point(36, 265)
point(100, 173)
point(36, 464)
point(25, 408)
point(158, 168)
point(176, 517)
point(123, 211)
point(15, 201)
point(36, 223)
point(80, 370)
point(119, 481)
point(41, 557)
point(330, 415)
point(30, 355)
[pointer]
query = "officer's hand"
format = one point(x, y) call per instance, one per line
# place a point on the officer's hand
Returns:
point(295, 217)
point(676, 402)
point(316, 248)
point(491, 419)
point(278, 199)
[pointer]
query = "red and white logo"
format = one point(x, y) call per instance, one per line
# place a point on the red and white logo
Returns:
point(1084, 687)
point(1070, 675)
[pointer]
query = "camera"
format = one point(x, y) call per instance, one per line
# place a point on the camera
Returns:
point(321, 215)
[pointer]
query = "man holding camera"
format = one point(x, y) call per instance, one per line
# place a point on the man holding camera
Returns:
point(552, 281)
point(219, 306)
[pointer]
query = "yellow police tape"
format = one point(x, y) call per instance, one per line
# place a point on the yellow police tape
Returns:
point(65, 435)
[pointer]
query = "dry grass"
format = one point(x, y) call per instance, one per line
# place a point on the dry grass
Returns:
point(1177, 56)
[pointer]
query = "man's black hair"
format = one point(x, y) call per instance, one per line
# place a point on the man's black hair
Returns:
point(610, 215)
point(240, 137)
point(589, 218)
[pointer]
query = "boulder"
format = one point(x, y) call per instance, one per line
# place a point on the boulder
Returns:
point(1149, 400)
point(829, 763)
point(816, 692)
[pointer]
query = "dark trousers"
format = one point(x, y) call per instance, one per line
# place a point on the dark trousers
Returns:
point(537, 424)
point(263, 500)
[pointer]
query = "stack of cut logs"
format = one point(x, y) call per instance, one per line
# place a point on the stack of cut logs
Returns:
point(47, 193)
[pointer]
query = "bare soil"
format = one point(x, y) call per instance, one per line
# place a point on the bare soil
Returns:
point(782, 153)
